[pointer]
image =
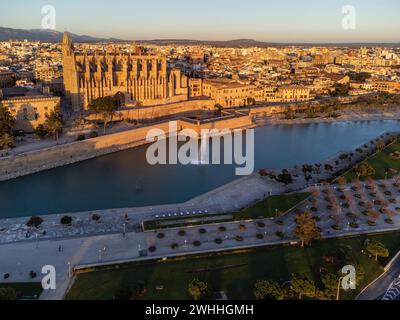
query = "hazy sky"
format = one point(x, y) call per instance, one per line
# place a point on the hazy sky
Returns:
point(266, 20)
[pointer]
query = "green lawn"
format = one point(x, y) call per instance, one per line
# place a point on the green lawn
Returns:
point(234, 273)
point(267, 208)
point(25, 290)
point(381, 162)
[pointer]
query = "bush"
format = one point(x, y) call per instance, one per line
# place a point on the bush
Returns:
point(161, 235)
point(351, 215)
point(198, 289)
point(389, 221)
point(239, 238)
point(222, 229)
point(261, 224)
point(260, 236)
point(354, 225)
point(182, 233)
point(32, 274)
point(66, 220)
point(34, 221)
point(81, 137)
point(371, 223)
point(280, 234)
point(93, 134)
point(202, 231)
point(174, 246)
point(96, 217)
point(41, 132)
point(336, 227)
point(152, 249)
point(197, 243)
point(218, 241)
point(7, 294)
point(6, 276)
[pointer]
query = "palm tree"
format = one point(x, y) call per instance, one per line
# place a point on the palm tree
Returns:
point(7, 141)
point(6, 119)
point(54, 123)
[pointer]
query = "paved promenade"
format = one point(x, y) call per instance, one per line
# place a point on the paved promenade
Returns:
point(227, 198)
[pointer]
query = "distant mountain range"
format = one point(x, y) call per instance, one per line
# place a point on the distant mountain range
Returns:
point(45, 36)
point(56, 36)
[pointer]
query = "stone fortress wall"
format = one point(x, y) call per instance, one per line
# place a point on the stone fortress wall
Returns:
point(161, 111)
point(48, 158)
point(44, 159)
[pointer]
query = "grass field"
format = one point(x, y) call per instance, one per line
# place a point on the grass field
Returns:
point(269, 207)
point(380, 162)
point(235, 273)
point(25, 290)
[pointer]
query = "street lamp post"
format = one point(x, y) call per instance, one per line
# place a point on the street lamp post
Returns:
point(338, 289)
point(69, 269)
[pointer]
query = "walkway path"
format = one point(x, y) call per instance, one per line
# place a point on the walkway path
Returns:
point(377, 289)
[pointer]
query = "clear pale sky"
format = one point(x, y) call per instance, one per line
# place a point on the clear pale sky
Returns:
point(265, 20)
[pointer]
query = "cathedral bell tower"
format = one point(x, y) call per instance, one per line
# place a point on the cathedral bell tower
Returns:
point(70, 74)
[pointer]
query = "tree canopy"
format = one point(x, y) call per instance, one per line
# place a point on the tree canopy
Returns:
point(54, 122)
point(307, 229)
point(105, 107)
point(365, 170)
point(377, 249)
point(268, 290)
point(303, 286)
point(6, 120)
point(197, 289)
point(6, 141)
point(7, 294)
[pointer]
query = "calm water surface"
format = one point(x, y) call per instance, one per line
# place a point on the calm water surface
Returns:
point(111, 181)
